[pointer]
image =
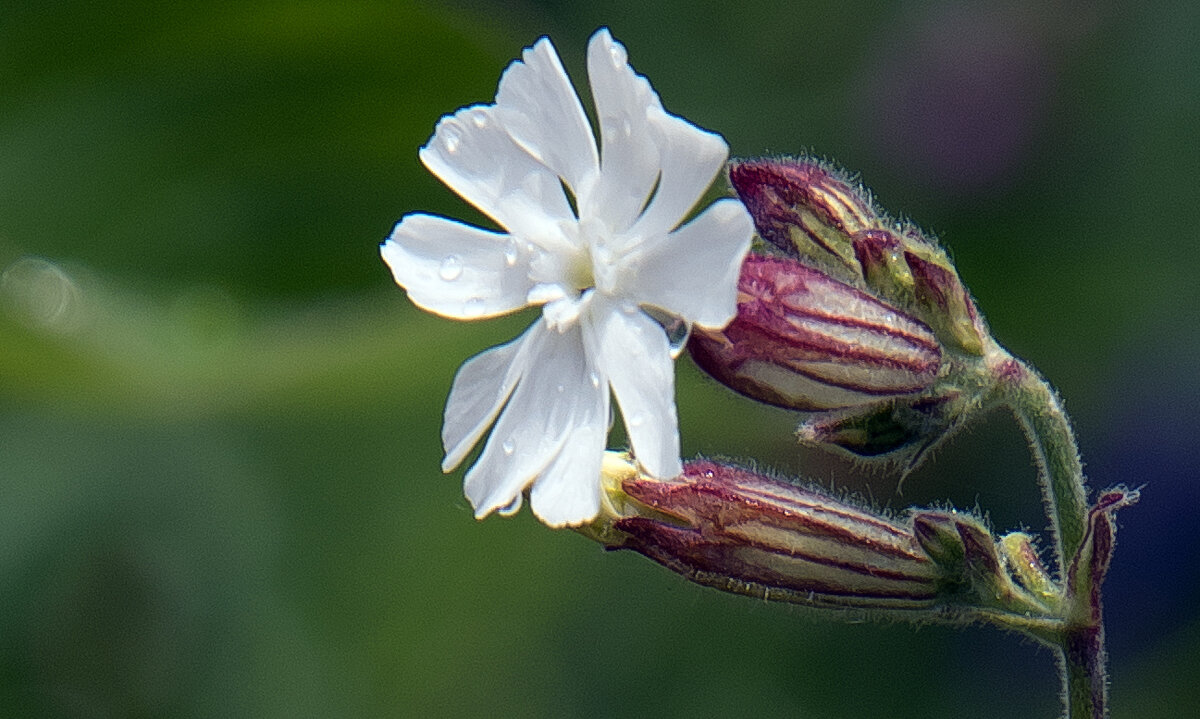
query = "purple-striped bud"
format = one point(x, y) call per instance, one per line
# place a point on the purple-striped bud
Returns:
point(739, 531)
point(804, 207)
point(806, 341)
point(946, 303)
point(815, 213)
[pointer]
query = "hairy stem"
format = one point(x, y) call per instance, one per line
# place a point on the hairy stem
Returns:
point(1085, 682)
point(1081, 642)
point(1052, 440)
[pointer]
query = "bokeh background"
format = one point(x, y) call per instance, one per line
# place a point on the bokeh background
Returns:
point(219, 483)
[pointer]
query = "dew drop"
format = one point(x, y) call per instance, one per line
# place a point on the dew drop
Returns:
point(595, 379)
point(560, 389)
point(510, 253)
point(627, 128)
point(480, 119)
point(637, 419)
point(451, 269)
point(618, 56)
point(451, 138)
point(473, 307)
point(508, 446)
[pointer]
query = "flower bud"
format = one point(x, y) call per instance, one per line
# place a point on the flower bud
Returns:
point(947, 305)
point(1026, 565)
point(806, 341)
point(805, 208)
point(738, 531)
point(814, 213)
point(965, 550)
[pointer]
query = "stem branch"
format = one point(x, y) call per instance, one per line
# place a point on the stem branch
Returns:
point(1060, 472)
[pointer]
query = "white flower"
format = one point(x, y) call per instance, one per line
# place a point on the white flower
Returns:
point(592, 235)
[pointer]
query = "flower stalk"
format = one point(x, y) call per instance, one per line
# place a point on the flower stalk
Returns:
point(1052, 440)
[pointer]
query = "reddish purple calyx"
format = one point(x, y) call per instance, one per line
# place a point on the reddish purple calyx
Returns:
point(806, 341)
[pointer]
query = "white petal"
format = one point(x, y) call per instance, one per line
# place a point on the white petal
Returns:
point(472, 152)
point(457, 270)
point(629, 155)
point(553, 399)
point(568, 492)
point(633, 352)
point(481, 387)
point(693, 272)
point(689, 159)
point(540, 110)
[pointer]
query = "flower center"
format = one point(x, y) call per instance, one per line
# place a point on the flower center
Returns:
point(600, 264)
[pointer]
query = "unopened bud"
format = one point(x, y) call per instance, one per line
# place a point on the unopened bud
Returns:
point(947, 305)
point(937, 533)
point(739, 531)
point(736, 530)
point(966, 551)
point(804, 207)
point(806, 341)
point(880, 253)
point(815, 213)
point(1026, 565)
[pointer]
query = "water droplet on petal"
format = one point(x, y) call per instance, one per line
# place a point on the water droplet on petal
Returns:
point(473, 307)
point(451, 269)
point(595, 379)
point(626, 128)
point(510, 253)
point(617, 54)
point(480, 119)
point(560, 389)
point(450, 138)
point(508, 446)
point(637, 419)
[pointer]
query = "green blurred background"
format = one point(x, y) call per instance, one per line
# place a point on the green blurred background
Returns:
point(219, 483)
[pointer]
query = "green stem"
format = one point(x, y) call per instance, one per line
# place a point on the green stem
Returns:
point(1052, 440)
point(1060, 473)
point(1082, 659)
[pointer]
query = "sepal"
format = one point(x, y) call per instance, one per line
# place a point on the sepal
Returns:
point(1087, 569)
point(902, 431)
